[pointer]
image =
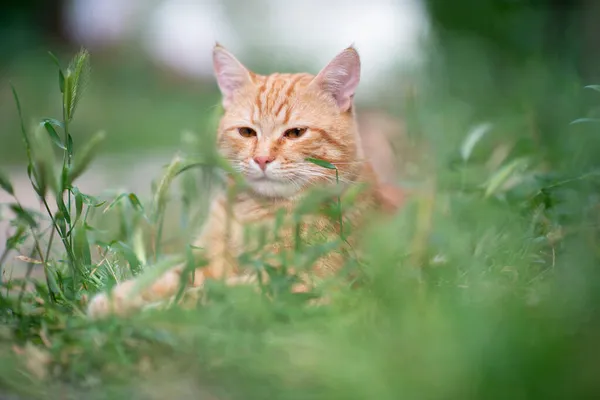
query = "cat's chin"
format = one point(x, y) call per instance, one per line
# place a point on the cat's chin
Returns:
point(273, 188)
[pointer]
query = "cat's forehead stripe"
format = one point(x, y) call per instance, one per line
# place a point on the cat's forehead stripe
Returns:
point(274, 93)
point(287, 92)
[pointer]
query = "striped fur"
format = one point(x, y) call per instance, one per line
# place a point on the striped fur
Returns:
point(271, 105)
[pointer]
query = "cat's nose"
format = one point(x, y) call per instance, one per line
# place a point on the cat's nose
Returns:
point(262, 161)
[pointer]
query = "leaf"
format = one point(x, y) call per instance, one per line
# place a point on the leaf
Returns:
point(503, 174)
point(133, 199)
point(64, 177)
point(321, 163)
point(61, 76)
point(22, 124)
point(28, 260)
point(190, 166)
point(52, 132)
point(473, 137)
point(59, 218)
point(17, 238)
point(114, 202)
point(61, 81)
point(78, 204)
point(81, 245)
point(585, 120)
point(44, 160)
point(160, 196)
point(54, 122)
point(84, 157)
point(129, 254)
point(63, 209)
point(5, 183)
point(24, 215)
point(138, 244)
point(311, 254)
point(593, 87)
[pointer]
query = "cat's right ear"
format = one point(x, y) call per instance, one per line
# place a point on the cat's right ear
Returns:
point(340, 78)
point(231, 74)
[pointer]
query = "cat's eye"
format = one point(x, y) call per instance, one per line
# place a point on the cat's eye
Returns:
point(247, 132)
point(294, 133)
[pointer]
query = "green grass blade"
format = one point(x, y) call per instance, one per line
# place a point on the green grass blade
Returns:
point(5, 183)
point(321, 163)
point(84, 157)
point(47, 123)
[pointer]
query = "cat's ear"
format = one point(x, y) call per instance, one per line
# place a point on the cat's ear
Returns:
point(230, 73)
point(340, 78)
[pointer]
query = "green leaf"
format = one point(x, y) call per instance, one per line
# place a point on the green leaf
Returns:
point(24, 215)
point(53, 135)
point(593, 87)
point(51, 282)
point(585, 120)
point(84, 157)
point(114, 202)
point(60, 218)
point(503, 174)
point(54, 122)
point(321, 163)
point(17, 238)
point(473, 137)
point(33, 179)
point(81, 245)
point(44, 160)
point(191, 166)
point(129, 254)
point(61, 81)
point(160, 196)
point(5, 183)
point(22, 124)
point(64, 177)
point(133, 199)
point(63, 209)
point(61, 76)
point(78, 205)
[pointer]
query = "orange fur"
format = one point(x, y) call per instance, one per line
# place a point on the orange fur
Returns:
point(259, 110)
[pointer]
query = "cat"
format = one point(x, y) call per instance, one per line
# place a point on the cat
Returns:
point(270, 126)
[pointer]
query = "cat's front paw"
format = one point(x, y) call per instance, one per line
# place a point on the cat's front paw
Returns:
point(119, 302)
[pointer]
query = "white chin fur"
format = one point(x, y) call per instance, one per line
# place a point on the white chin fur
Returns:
point(272, 188)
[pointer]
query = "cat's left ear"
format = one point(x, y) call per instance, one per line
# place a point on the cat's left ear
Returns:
point(340, 78)
point(231, 74)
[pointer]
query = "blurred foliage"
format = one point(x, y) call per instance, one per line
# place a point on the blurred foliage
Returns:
point(517, 30)
point(28, 23)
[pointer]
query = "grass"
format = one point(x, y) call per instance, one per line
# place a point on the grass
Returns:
point(484, 285)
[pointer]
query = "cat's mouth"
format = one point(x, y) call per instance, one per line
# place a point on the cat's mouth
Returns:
point(263, 177)
point(272, 187)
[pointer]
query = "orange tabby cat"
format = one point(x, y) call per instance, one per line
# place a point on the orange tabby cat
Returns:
point(271, 125)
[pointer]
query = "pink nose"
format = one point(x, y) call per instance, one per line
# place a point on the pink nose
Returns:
point(262, 161)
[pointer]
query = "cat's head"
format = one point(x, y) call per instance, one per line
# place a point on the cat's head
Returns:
point(273, 123)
